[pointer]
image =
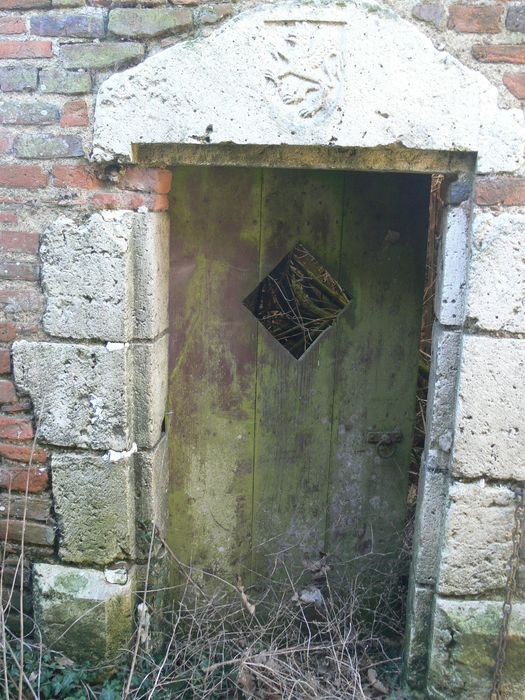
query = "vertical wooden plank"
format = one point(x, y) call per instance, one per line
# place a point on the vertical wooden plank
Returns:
point(294, 397)
point(382, 266)
point(214, 265)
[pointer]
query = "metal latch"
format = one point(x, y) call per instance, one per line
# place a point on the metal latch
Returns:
point(385, 441)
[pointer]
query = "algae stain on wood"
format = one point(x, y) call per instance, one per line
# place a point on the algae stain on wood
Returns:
point(269, 454)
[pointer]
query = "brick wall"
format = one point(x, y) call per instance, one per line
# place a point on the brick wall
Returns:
point(54, 54)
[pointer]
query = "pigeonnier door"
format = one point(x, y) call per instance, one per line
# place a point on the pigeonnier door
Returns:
point(292, 402)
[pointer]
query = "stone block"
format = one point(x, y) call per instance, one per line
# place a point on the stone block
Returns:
point(152, 487)
point(418, 633)
point(150, 389)
point(80, 392)
point(464, 646)
point(477, 543)
point(453, 260)
point(107, 277)
point(430, 514)
point(131, 22)
point(87, 277)
point(94, 505)
point(490, 438)
point(18, 78)
point(101, 56)
point(151, 270)
point(48, 146)
point(28, 113)
point(515, 21)
point(86, 25)
point(56, 80)
point(79, 613)
point(446, 348)
point(497, 274)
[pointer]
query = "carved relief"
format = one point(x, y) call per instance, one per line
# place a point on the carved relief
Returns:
point(307, 66)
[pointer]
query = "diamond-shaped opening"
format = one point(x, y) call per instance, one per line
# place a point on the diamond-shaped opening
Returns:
point(298, 301)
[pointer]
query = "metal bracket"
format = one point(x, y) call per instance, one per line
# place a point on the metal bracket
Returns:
point(386, 441)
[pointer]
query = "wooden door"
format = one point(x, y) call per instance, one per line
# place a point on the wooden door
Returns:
point(270, 455)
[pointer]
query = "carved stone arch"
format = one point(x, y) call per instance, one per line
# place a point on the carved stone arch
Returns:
point(323, 74)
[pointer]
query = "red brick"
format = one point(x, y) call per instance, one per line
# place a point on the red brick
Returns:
point(515, 82)
point(129, 200)
point(75, 114)
point(15, 505)
point(18, 270)
point(8, 331)
point(27, 298)
point(17, 407)
point(23, 453)
point(7, 391)
point(5, 361)
point(8, 217)
point(76, 176)
point(28, 531)
point(12, 25)
point(475, 19)
point(19, 241)
point(509, 191)
point(6, 142)
point(499, 53)
point(20, 478)
point(22, 176)
point(146, 180)
point(15, 428)
point(26, 49)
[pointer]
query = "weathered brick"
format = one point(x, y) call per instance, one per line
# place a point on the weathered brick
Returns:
point(515, 21)
point(475, 19)
point(129, 200)
point(75, 176)
point(12, 25)
point(33, 507)
point(75, 114)
point(26, 49)
point(22, 176)
point(213, 13)
point(33, 112)
point(67, 3)
point(24, 4)
point(98, 56)
point(64, 82)
point(87, 25)
point(30, 532)
point(5, 361)
point(8, 217)
point(149, 23)
point(18, 78)
point(8, 331)
point(515, 82)
point(23, 453)
point(18, 270)
point(35, 480)
point(19, 241)
point(7, 391)
point(17, 406)
point(15, 428)
point(146, 180)
point(20, 298)
point(499, 53)
point(509, 191)
point(430, 12)
point(48, 146)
